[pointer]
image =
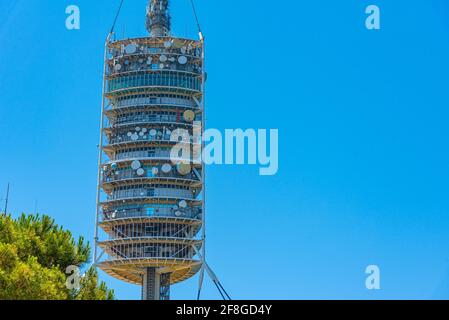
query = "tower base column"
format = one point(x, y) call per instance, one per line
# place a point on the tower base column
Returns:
point(155, 286)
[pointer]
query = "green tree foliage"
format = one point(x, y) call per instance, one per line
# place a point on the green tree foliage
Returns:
point(34, 255)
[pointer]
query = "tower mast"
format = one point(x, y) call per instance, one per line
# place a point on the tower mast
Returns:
point(158, 18)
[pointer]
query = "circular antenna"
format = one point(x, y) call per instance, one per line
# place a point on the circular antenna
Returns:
point(178, 213)
point(136, 165)
point(131, 48)
point(135, 137)
point(168, 44)
point(184, 168)
point(144, 130)
point(118, 67)
point(140, 172)
point(138, 129)
point(189, 115)
point(161, 66)
point(129, 134)
point(153, 132)
point(163, 58)
point(183, 204)
point(166, 168)
point(182, 60)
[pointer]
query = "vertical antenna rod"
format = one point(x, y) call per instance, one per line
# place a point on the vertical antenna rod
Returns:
point(158, 18)
point(7, 199)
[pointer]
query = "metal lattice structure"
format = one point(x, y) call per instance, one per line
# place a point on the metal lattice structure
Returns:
point(150, 205)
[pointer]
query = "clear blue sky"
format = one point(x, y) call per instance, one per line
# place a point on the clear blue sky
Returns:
point(362, 116)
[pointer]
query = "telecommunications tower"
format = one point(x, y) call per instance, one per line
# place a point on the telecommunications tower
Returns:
point(150, 201)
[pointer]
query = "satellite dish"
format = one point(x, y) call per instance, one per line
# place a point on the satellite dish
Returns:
point(178, 213)
point(168, 44)
point(166, 168)
point(118, 67)
point(161, 66)
point(137, 129)
point(136, 165)
point(153, 132)
point(189, 115)
point(182, 60)
point(163, 58)
point(144, 130)
point(184, 168)
point(131, 48)
point(135, 137)
point(183, 204)
point(129, 134)
point(140, 172)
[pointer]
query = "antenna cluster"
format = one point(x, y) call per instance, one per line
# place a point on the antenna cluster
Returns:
point(158, 18)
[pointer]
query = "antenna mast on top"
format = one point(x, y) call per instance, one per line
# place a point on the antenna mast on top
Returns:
point(158, 18)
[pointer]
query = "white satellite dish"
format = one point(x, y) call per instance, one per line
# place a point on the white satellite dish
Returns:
point(129, 134)
point(140, 172)
point(168, 44)
point(131, 48)
point(163, 58)
point(182, 60)
point(136, 165)
point(153, 132)
point(178, 213)
point(118, 67)
point(166, 168)
point(144, 130)
point(135, 137)
point(183, 204)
